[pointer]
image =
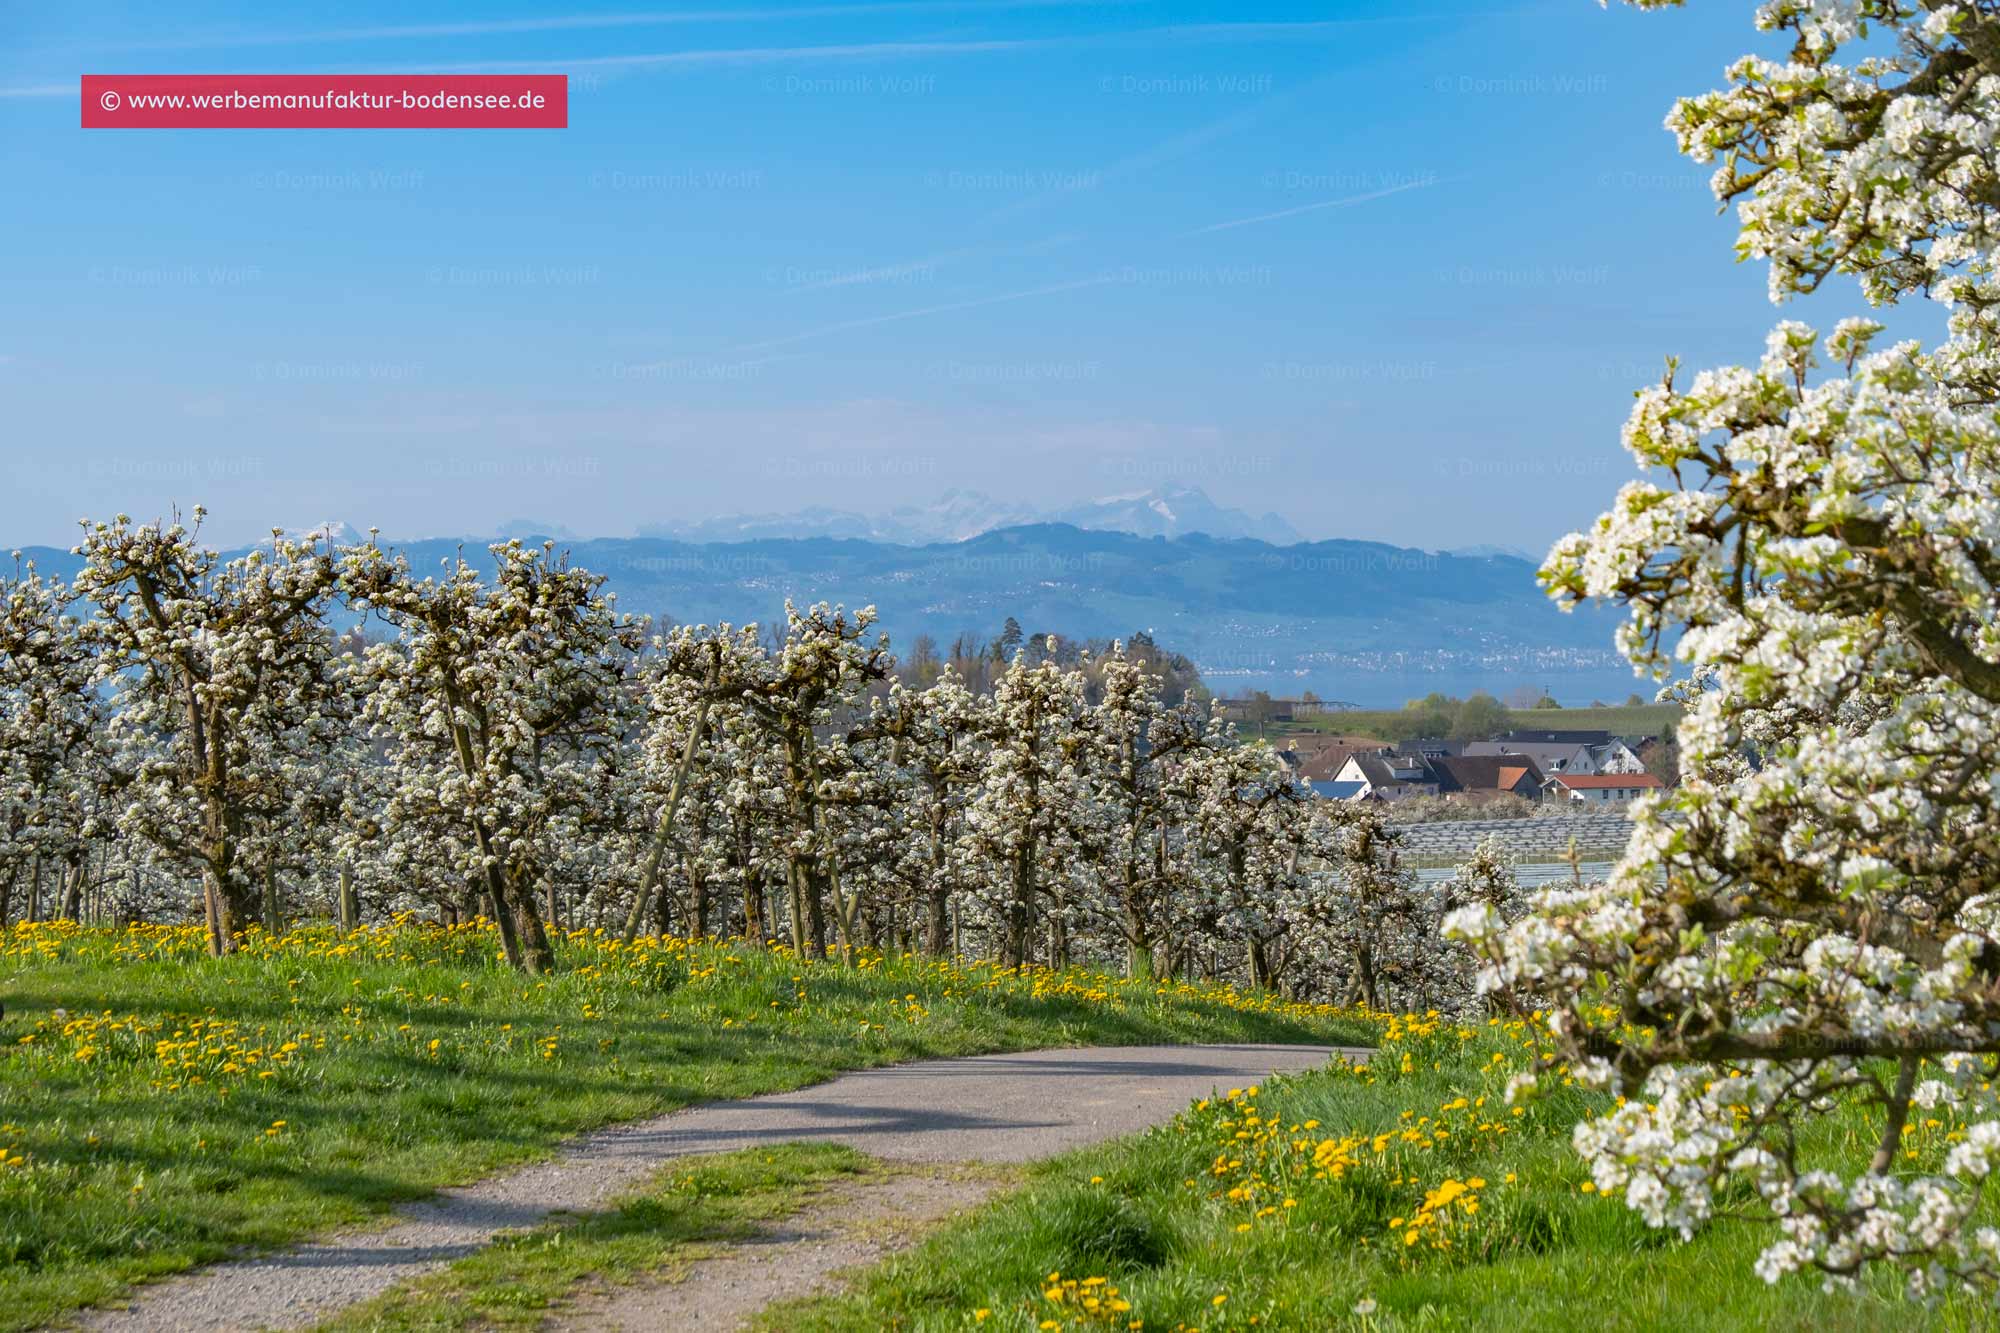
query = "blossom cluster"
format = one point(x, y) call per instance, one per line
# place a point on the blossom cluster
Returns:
point(1804, 928)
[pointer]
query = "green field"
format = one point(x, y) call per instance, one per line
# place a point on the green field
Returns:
point(164, 1109)
point(1618, 719)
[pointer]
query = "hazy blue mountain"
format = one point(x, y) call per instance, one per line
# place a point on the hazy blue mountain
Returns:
point(958, 515)
point(1353, 620)
point(1484, 551)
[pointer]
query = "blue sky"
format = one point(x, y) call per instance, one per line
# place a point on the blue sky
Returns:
point(1390, 270)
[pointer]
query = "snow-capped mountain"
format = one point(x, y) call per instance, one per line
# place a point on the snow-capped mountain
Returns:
point(336, 532)
point(1173, 513)
point(959, 515)
point(524, 528)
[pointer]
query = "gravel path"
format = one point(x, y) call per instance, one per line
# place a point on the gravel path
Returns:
point(846, 1228)
point(990, 1108)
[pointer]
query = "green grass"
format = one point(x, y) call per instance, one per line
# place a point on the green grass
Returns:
point(1618, 719)
point(685, 1213)
point(1154, 1217)
point(182, 1109)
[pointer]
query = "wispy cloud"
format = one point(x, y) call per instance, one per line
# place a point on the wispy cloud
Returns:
point(723, 56)
point(720, 57)
point(873, 320)
point(1206, 32)
point(892, 272)
point(1314, 208)
point(599, 22)
point(741, 55)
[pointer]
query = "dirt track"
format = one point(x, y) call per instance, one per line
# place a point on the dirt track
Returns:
point(992, 1108)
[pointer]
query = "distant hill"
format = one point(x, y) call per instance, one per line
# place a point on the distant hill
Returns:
point(1482, 551)
point(961, 514)
point(1327, 614)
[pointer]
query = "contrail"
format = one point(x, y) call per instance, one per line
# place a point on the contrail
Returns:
point(594, 22)
point(1311, 208)
point(739, 55)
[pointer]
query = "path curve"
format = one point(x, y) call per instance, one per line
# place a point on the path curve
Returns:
point(843, 1229)
point(986, 1108)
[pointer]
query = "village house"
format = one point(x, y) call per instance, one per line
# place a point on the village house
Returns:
point(1566, 751)
point(1320, 758)
point(1386, 776)
point(1474, 777)
point(1602, 788)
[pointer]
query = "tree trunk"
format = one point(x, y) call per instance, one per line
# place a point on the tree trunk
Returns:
point(350, 902)
point(751, 884)
point(1364, 975)
point(211, 901)
point(698, 899)
point(935, 904)
point(815, 910)
point(937, 924)
point(1259, 964)
point(234, 904)
point(650, 877)
point(537, 956)
point(503, 915)
point(1015, 951)
point(663, 914)
point(846, 909)
point(798, 905)
point(71, 906)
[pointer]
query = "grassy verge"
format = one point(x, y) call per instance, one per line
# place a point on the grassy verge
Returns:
point(680, 1217)
point(159, 1109)
point(1403, 1197)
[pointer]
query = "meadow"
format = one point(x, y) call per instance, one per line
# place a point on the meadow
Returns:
point(1618, 719)
point(160, 1108)
point(1403, 1193)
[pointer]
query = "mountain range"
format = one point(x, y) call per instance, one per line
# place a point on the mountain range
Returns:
point(1352, 620)
point(959, 515)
